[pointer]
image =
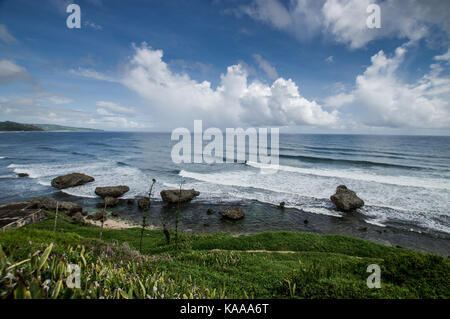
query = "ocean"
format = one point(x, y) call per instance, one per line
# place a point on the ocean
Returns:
point(404, 180)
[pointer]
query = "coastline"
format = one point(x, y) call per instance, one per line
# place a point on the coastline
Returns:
point(194, 219)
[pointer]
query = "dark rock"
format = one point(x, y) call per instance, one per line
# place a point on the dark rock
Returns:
point(346, 199)
point(78, 217)
point(15, 206)
point(281, 206)
point(115, 214)
point(71, 180)
point(363, 229)
point(111, 191)
point(306, 221)
point(173, 196)
point(210, 211)
point(144, 203)
point(23, 175)
point(398, 246)
point(111, 201)
point(48, 203)
point(205, 225)
point(233, 213)
point(97, 216)
point(130, 201)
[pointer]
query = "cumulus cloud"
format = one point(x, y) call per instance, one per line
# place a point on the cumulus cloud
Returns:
point(11, 72)
point(266, 66)
point(176, 98)
point(345, 20)
point(5, 36)
point(389, 101)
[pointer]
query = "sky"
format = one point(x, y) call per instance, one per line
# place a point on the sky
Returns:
point(306, 66)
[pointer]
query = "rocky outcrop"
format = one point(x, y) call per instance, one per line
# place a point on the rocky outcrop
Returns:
point(346, 199)
point(173, 196)
point(97, 216)
point(210, 211)
point(23, 175)
point(144, 203)
point(233, 213)
point(111, 191)
point(71, 180)
point(78, 217)
point(48, 203)
point(282, 205)
point(111, 201)
point(15, 206)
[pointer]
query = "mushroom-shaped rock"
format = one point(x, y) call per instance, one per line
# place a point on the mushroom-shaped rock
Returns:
point(111, 201)
point(71, 180)
point(175, 195)
point(346, 199)
point(233, 213)
point(111, 191)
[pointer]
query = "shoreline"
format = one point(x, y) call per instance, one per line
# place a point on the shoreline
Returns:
point(262, 217)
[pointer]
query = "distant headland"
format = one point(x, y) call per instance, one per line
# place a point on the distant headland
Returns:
point(9, 126)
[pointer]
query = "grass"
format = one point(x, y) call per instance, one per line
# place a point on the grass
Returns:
point(211, 266)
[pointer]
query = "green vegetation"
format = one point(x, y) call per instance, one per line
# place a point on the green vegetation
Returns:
point(267, 265)
point(12, 126)
point(18, 127)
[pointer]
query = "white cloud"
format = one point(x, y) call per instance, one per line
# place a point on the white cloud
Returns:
point(443, 57)
point(30, 110)
point(330, 59)
point(266, 67)
point(55, 99)
point(5, 36)
point(388, 101)
point(115, 108)
point(345, 20)
point(88, 73)
point(177, 99)
point(11, 72)
point(93, 25)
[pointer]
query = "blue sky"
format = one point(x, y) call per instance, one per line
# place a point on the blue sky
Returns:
point(298, 65)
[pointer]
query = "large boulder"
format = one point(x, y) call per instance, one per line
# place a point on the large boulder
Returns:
point(48, 203)
point(233, 213)
point(71, 180)
point(346, 199)
point(111, 191)
point(173, 196)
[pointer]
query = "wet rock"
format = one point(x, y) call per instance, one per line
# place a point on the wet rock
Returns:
point(71, 180)
point(130, 201)
point(233, 213)
point(175, 195)
point(111, 191)
point(48, 203)
point(115, 214)
point(23, 175)
point(362, 229)
point(144, 203)
point(97, 216)
point(281, 206)
point(346, 199)
point(111, 201)
point(78, 217)
point(306, 221)
point(210, 211)
point(14, 206)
